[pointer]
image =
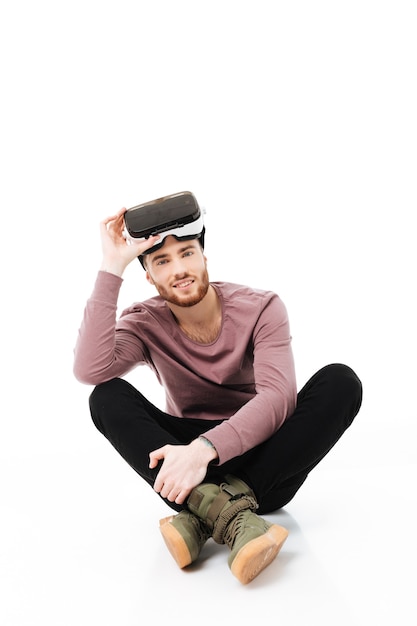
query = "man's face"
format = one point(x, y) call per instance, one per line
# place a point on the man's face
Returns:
point(178, 270)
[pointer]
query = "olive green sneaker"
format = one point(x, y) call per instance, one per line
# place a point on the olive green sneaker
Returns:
point(227, 510)
point(254, 544)
point(185, 535)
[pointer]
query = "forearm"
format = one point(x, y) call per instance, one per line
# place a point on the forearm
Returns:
point(113, 266)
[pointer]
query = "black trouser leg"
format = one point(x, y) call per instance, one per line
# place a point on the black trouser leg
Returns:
point(326, 407)
point(135, 427)
point(275, 470)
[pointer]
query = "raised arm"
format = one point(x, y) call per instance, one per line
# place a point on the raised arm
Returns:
point(95, 356)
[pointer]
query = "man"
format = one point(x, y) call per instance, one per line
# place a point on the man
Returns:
point(236, 437)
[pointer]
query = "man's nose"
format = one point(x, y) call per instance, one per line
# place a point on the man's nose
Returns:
point(179, 267)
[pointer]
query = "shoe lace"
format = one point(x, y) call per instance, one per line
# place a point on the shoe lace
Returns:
point(202, 528)
point(233, 530)
point(224, 523)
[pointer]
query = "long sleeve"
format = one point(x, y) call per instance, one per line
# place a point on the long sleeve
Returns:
point(275, 386)
point(97, 355)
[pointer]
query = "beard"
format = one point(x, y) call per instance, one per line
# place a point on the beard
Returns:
point(182, 300)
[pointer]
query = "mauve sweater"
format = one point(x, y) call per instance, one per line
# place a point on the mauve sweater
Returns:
point(245, 377)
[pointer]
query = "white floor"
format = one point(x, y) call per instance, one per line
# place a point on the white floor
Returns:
point(80, 544)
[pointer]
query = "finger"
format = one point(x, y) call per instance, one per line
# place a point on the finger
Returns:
point(181, 497)
point(107, 220)
point(143, 244)
point(172, 495)
point(151, 241)
point(155, 456)
point(167, 491)
point(111, 219)
point(152, 462)
point(159, 483)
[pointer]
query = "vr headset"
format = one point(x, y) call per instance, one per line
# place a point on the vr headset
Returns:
point(178, 215)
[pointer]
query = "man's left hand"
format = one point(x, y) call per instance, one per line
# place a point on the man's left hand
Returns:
point(182, 469)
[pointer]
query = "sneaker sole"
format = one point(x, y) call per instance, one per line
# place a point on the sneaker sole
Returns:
point(175, 542)
point(257, 554)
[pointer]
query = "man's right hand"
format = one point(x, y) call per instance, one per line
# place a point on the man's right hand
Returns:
point(117, 251)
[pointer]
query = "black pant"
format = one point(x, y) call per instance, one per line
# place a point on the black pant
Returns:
point(275, 469)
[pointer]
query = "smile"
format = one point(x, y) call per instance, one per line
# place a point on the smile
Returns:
point(183, 285)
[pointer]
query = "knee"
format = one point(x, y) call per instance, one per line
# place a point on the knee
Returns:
point(345, 376)
point(101, 393)
point(346, 383)
point(102, 398)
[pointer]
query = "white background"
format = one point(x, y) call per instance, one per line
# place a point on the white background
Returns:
point(294, 123)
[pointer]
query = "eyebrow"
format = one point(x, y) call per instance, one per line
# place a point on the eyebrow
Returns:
point(164, 255)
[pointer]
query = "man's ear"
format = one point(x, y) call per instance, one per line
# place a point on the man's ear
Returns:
point(149, 278)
